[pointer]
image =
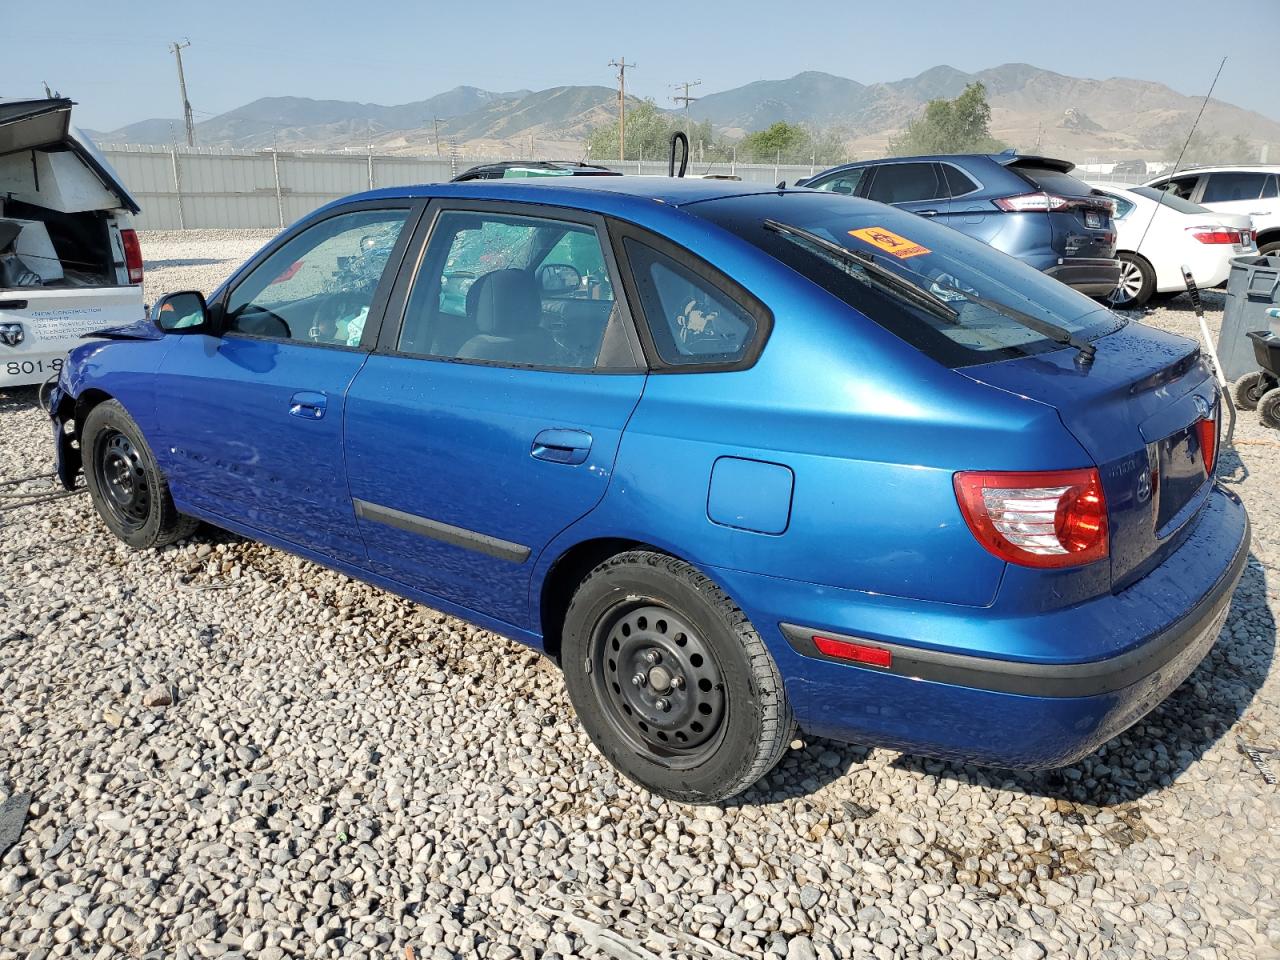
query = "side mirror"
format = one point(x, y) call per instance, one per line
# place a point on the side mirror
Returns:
point(558, 278)
point(183, 312)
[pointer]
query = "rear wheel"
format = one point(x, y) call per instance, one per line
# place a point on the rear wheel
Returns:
point(1269, 409)
point(127, 488)
point(1269, 248)
point(1249, 389)
point(1136, 284)
point(671, 681)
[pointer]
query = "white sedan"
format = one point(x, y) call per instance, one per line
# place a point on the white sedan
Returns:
point(1156, 236)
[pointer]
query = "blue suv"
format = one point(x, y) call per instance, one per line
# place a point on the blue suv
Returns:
point(1028, 207)
point(736, 458)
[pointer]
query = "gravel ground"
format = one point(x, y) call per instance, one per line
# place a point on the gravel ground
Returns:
point(228, 751)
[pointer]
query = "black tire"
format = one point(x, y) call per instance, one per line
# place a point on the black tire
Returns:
point(725, 726)
point(1137, 283)
point(128, 490)
point(1269, 409)
point(1249, 389)
point(1270, 248)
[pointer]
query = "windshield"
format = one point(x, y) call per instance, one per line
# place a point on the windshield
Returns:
point(1170, 200)
point(971, 302)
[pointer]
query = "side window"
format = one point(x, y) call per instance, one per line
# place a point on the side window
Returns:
point(1225, 187)
point(843, 183)
point(905, 182)
point(515, 290)
point(958, 182)
point(1182, 187)
point(319, 286)
point(691, 320)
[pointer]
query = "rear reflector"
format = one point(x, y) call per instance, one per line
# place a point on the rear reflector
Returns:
point(855, 652)
point(1215, 234)
point(132, 254)
point(1055, 518)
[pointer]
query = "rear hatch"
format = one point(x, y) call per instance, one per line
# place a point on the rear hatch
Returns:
point(1137, 410)
point(1080, 216)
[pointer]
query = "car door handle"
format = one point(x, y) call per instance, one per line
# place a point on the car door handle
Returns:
point(561, 446)
point(308, 405)
point(926, 213)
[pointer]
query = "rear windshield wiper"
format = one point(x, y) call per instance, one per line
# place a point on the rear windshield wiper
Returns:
point(881, 276)
point(1046, 328)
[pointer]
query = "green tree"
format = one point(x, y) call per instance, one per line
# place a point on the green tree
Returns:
point(782, 139)
point(649, 133)
point(961, 125)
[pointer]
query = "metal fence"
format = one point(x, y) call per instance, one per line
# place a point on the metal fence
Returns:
point(187, 188)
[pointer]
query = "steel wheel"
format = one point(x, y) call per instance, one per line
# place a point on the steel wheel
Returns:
point(123, 478)
point(659, 684)
point(1129, 287)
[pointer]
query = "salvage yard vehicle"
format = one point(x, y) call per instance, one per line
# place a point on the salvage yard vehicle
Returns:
point(1251, 190)
point(69, 257)
point(1026, 206)
point(737, 458)
point(1158, 235)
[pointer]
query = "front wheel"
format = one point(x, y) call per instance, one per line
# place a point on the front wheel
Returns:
point(1136, 284)
point(128, 490)
point(671, 681)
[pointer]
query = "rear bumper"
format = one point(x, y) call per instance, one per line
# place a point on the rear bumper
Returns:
point(996, 710)
point(1094, 277)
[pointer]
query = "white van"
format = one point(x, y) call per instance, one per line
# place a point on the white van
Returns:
point(69, 257)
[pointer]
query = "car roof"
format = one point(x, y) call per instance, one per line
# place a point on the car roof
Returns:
point(590, 192)
point(1005, 159)
point(1223, 168)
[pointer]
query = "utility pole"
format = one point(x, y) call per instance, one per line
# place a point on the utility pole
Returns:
point(622, 65)
point(176, 48)
point(686, 99)
point(435, 123)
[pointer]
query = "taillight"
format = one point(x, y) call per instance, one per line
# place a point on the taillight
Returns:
point(1053, 518)
point(132, 254)
point(1215, 234)
point(1207, 431)
point(1032, 202)
point(1051, 201)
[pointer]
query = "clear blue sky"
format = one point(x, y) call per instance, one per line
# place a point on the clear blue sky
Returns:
point(112, 57)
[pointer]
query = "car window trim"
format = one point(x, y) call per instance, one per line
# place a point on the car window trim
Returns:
point(730, 289)
point(377, 306)
point(388, 339)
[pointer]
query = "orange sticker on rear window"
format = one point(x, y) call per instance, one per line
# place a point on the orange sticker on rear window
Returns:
point(889, 242)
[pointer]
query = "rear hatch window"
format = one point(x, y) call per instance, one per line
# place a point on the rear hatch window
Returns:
point(1054, 181)
point(954, 271)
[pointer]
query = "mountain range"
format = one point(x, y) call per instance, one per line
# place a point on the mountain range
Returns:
point(1032, 109)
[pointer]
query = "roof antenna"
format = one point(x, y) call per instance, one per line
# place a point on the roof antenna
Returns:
point(1178, 163)
point(678, 137)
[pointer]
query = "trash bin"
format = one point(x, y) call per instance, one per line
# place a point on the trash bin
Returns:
point(1253, 288)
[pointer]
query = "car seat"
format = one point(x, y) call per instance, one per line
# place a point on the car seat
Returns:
point(507, 312)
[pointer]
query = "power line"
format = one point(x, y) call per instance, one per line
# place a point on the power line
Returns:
point(686, 99)
point(176, 48)
point(622, 65)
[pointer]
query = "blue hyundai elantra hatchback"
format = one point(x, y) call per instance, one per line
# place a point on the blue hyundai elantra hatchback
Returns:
point(738, 459)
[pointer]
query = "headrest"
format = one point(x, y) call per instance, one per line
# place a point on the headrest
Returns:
point(504, 303)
